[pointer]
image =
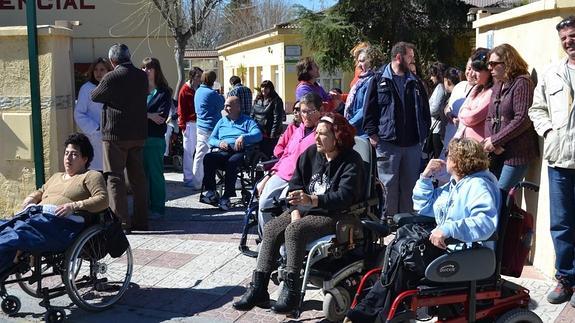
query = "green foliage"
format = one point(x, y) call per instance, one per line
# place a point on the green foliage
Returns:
point(430, 25)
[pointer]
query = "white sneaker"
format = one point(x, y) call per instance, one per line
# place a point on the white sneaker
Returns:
point(224, 204)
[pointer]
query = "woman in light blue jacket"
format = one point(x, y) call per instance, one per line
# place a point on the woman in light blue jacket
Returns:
point(466, 209)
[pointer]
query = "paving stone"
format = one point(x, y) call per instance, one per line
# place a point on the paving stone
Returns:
point(150, 276)
point(160, 244)
point(172, 260)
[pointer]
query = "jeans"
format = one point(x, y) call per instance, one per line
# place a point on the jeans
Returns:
point(562, 210)
point(511, 175)
point(275, 187)
point(398, 170)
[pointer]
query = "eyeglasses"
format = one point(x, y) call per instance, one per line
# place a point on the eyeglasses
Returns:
point(308, 112)
point(295, 110)
point(492, 64)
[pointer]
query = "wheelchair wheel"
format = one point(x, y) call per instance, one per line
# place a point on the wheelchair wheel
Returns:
point(335, 307)
point(178, 163)
point(93, 279)
point(54, 316)
point(517, 315)
point(11, 305)
point(50, 282)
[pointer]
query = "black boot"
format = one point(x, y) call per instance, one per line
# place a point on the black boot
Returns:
point(256, 294)
point(288, 300)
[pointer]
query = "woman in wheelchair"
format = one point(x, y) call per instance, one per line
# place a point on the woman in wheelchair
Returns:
point(466, 209)
point(275, 183)
point(54, 225)
point(326, 181)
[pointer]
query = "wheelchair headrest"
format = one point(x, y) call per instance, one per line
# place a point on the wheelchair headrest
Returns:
point(365, 150)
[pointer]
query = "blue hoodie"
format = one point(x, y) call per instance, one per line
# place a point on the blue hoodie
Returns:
point(466, 210)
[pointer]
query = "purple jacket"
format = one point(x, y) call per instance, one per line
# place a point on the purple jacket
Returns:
point(516, 133)
point(305, 87)
point(297, 144)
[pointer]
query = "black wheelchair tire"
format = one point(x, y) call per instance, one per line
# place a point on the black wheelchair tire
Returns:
point(77, 256)
point(333, 311)
point(517, 315)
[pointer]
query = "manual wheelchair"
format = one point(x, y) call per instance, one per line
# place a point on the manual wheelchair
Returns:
point(466, 285)
point(248, 175)
point(86, 271)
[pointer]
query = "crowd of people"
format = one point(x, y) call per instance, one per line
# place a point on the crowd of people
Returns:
point(445, 146)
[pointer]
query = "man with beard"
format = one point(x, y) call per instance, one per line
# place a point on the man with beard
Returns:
point(397, 120)
point(553, 116)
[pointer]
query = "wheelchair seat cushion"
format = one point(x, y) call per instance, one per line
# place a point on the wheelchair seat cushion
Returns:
point(462, 265)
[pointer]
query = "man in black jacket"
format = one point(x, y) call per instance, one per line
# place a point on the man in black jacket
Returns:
point(124, 92)
point(397, 120)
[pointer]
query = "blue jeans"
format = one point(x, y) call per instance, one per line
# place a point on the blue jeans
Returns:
point(562, 207)
point(227, 161)
point(511, 175)
point(398, 170)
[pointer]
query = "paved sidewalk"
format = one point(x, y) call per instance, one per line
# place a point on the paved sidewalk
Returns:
point(189, 269)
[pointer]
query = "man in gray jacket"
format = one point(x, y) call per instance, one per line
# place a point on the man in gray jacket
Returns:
point(123, 92)
point(553, 116)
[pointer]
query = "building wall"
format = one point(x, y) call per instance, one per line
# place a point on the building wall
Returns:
point(102, 23)
point(17, 174)
point(263, 58)
point(531, 30)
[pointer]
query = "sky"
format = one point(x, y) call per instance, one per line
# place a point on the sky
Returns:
point(315, 5)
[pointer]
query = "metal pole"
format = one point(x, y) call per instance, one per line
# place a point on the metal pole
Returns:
point(35, 92)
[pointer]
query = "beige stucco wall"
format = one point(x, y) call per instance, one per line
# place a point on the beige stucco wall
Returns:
point(56, 91)
point(531, 30)
point(135, 23)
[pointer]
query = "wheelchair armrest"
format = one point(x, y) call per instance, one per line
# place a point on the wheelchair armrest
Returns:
point(379, 227)
point(347, 230)
point(462, 265)
point(266, 165)
point(404, 218)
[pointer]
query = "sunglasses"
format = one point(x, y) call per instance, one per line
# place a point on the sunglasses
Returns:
point(568, 22)
point(492, 64)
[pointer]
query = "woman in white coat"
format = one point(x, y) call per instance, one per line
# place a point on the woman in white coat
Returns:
point(87, 112)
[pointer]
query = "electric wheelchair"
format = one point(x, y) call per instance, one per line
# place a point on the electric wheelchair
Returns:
point(335, 263)
point(95, 271)
point(466, 285)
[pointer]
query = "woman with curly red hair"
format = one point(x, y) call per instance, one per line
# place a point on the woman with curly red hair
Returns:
point(327, 180)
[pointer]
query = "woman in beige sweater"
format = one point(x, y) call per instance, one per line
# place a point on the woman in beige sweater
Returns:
point(65, 195)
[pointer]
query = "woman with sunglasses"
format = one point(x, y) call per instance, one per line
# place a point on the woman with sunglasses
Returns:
point(473, 112)
point(509, 134)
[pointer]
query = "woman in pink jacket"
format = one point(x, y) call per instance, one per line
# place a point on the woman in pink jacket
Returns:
point(474, 110)
point(300, 140)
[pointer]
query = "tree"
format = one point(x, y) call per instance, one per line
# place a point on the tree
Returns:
point(428, 24)
point(184, 18)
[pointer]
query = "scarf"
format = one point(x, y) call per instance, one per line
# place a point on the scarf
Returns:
point(350, 97)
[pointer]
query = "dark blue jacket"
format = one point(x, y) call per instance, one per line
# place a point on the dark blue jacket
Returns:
point(161, 103)
point(391, 118)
